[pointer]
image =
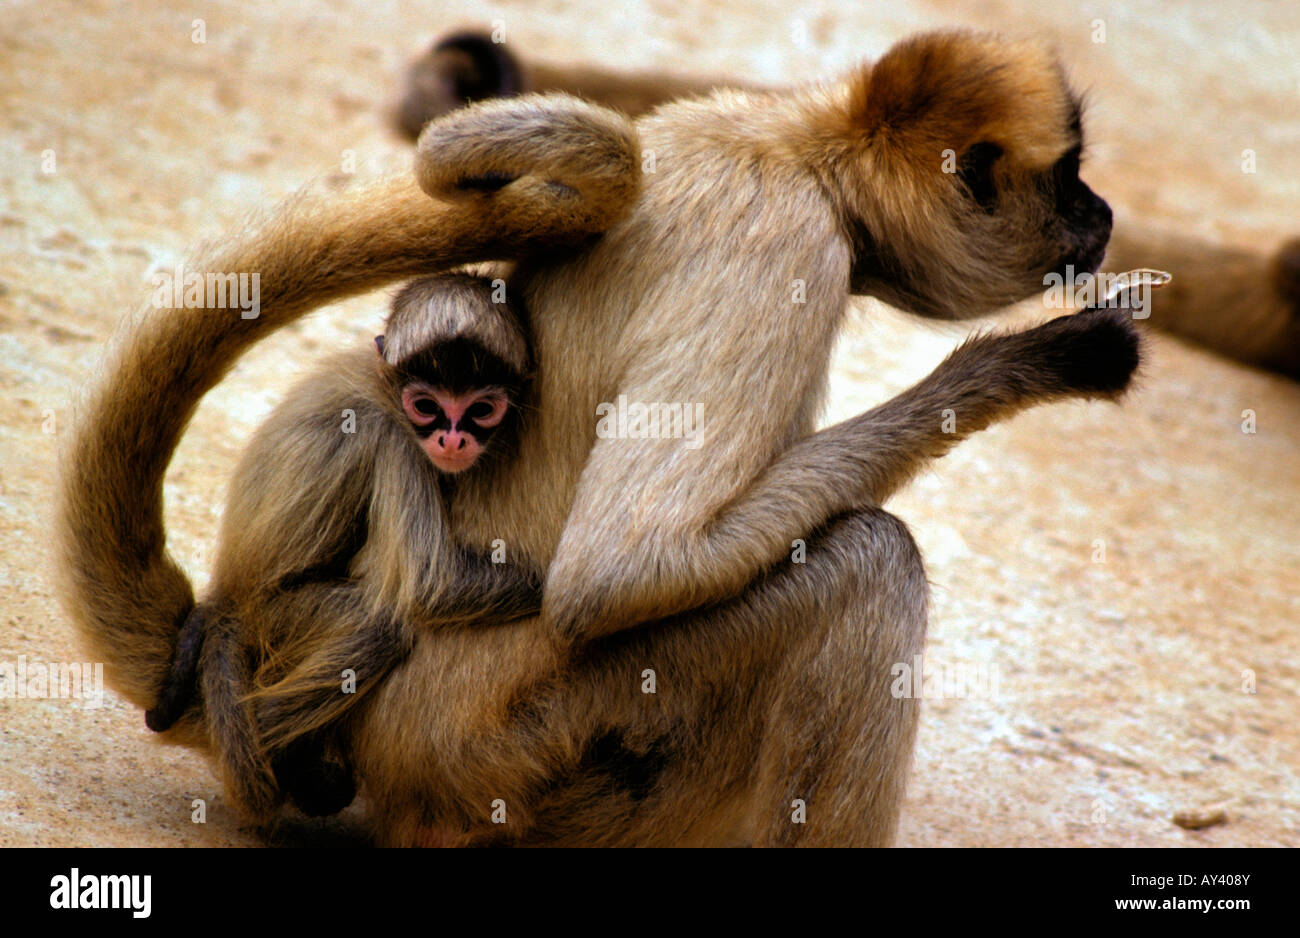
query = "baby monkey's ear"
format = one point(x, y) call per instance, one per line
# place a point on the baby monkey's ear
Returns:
point(379, 345)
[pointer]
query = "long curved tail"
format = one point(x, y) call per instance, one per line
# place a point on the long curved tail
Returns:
point(506, 179)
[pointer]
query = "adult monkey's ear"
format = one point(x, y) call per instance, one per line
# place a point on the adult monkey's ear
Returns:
point(379, 345)
point(461, 68)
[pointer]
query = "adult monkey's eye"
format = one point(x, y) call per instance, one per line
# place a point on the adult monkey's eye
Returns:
point(1067, 167)
point(1065, 179)
point(975, 170)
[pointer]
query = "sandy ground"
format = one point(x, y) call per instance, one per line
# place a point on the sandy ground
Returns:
point(1122, 692)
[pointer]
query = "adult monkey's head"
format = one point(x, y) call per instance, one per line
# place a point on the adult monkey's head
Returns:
point(954, 163)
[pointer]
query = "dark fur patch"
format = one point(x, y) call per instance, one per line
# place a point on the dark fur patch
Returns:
point(485, 182)
point(1096, 351)
point(1076, 117)
point(182, 675)
point(975, 170)
point(877, 271)
point(317, 779)
point(633, 772)
point(459, 365)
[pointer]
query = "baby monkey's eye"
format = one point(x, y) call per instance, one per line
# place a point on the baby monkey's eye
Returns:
point(426, 406)
point(480, 411)
point(975, 170)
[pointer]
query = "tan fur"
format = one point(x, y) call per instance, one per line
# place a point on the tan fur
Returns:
point(1244, 304)
point(724, 285)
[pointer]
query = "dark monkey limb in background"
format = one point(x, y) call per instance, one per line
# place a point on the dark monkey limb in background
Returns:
point(1244, 304)
point(724, 285)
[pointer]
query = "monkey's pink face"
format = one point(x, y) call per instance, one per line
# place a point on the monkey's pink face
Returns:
point(454, 428)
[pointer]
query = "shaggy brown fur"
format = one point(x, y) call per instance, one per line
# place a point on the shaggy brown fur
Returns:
point(669, 562)
point(334, 545)
point(1244, 304)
